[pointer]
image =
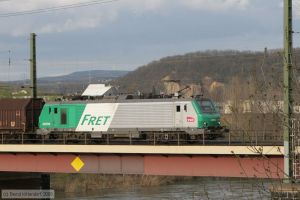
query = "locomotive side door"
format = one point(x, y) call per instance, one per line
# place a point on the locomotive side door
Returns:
point(60, 117)
point(178, 115)
point(56, 118)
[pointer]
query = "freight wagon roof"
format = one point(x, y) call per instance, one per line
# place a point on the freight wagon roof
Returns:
point(12, 104)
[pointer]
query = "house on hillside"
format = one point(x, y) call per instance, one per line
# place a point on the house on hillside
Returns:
point(99, 90)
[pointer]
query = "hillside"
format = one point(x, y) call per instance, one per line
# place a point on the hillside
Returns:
point(66, 84)
point(197, 68)
point(85, 76)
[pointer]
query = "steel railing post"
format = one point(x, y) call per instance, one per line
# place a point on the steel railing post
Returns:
point(229, 138)
point(256, 138)
point(130, 141)
point(244, 137)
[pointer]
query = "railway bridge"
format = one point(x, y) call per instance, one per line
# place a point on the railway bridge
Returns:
point(212, 161)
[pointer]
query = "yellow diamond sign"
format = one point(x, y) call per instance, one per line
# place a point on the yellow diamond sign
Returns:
point(77, 163)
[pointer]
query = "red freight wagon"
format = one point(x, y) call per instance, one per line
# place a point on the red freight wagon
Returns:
point(19, 115)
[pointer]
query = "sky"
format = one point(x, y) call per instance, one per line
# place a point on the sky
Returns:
point(126, 34)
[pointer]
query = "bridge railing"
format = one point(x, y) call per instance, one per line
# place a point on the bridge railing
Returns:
point(234, 137)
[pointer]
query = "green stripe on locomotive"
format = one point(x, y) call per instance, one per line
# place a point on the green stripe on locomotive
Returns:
point(206, 120)
point(61, 116)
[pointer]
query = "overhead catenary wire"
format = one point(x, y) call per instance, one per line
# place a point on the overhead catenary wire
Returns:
point(56, 8)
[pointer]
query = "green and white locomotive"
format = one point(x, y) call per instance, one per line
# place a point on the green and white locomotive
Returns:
point(137, 118)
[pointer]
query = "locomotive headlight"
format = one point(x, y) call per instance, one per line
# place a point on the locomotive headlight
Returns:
point(219, 123)
point(205, 124)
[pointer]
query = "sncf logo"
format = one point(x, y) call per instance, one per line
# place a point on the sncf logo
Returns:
point(190, 119)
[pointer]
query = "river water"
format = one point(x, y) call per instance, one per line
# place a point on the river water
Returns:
point(201, 188)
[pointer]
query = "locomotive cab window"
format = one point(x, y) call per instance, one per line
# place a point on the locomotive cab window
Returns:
point(63, 116)
point(55, 110)
point(207, 106)
point(49, 110)
point(185, 108)
point(177, 108)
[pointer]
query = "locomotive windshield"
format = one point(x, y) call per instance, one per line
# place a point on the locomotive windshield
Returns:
point(206, 106)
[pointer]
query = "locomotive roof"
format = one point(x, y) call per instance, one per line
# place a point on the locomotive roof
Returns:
point(120, 100)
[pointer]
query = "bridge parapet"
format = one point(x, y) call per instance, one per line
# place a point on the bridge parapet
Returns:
point(145, 149)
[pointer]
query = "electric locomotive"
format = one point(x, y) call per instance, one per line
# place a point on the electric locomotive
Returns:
point(136, 118)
